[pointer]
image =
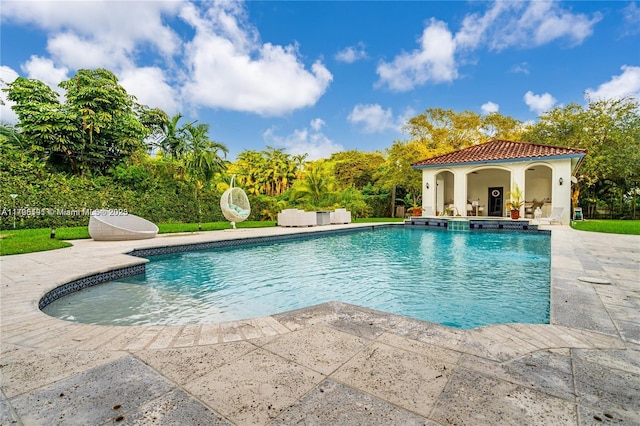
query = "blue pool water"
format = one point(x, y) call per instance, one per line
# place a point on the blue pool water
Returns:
point(460, 279)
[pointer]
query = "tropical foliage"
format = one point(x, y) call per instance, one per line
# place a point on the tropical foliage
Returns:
point(96, 127)
point(609, 178)
point(99, 148)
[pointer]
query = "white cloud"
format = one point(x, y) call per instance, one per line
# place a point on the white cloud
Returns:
point(121, 24)
point(631, 16)
point(149, 85)
point(489, 108)
point(550, 23)
point(352, 54)
point(113, 41)
point(317, 124)
point(373, 118)
point(524, 24)
point(432, 61)
point(539, 103)
point(7, 76)
point(76, 52)
point(233, 71)
point(226, 65)
point(542, 22)
point(45, 70)
point(303, 141)
point(625, 84)
point(475, 26)
point(521, 68)
point(503, 25)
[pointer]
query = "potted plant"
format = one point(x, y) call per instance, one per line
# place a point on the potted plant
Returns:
point(416, 204)
point(416, 211)
point(515, 201)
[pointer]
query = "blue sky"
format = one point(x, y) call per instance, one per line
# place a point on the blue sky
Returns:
point(321, 77)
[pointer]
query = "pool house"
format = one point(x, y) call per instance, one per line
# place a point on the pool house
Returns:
point(476, 181)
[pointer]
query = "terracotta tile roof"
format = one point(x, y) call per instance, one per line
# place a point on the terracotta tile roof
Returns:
point(500, 150)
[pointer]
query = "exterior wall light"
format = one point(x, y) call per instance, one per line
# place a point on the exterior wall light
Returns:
point(560, 181)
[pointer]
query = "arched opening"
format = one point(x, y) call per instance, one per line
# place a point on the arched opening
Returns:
point(444, 192)
point(487, 191)
point(538, 180)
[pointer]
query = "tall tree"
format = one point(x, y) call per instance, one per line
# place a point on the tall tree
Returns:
point(356, 168)
point(95, 129)
point(155, 120)
point(202, 159)
point(444, 130)
point(441, 131)
point(498, 126)
point(316, 187)
point(397, 173)
point(110, 127)
point(248, 168)
point(268, 172)
point(172, 138)
point(610, 131)
point(44, 121)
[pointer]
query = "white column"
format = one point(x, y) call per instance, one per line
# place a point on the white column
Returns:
point(460, 191)
point(517, 178)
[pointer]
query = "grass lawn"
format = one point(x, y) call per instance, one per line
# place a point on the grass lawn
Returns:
point(608, 226)
point(21, 241)
point(29, 240)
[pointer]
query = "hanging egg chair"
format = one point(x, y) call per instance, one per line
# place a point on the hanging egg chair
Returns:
point(235, 204)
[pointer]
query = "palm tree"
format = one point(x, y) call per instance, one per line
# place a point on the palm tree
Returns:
point(202, 159)
point(172, 141)
point(299, 162)
point(249, 169)
point(315, 186)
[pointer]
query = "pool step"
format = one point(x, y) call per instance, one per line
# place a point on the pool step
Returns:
point(467, 224)
point(459, 225)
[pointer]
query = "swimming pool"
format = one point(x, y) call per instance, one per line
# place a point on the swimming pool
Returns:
point(460, 279)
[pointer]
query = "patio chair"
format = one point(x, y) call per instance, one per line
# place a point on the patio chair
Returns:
point(234, 204)
point(109, 225)
point(555, 216)
point(530, 210)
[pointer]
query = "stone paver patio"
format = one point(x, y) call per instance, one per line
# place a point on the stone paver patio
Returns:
point(327, 364)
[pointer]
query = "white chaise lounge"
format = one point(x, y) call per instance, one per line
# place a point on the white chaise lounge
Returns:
point(296, 217)
point(555, 216)
point(340, 216)
point(108, 225)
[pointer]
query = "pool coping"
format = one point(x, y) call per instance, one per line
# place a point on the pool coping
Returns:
point(596, 324)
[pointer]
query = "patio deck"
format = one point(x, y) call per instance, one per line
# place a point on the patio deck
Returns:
point(327, 364)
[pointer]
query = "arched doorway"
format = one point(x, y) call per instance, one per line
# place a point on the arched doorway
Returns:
point(538, 189)
point(444, 191)
point(487, 191)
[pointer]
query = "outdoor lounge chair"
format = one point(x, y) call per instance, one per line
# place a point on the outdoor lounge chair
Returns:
point(107, 225)
point(555, 216)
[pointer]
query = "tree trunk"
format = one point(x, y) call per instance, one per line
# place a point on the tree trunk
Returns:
point(393, 201)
